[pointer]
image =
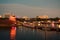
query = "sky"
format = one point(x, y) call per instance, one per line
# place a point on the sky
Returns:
point(31, 8)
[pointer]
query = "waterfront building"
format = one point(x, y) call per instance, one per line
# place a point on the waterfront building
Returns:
point(26, 17)
point(7, 15)
point(42, 17)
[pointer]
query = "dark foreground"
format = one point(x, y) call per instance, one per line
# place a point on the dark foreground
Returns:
point(23, 33)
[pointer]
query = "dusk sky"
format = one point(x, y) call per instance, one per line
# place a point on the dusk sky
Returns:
point(31, 8)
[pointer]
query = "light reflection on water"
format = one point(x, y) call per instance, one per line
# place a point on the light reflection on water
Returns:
point(23, 33)
point(13, 33)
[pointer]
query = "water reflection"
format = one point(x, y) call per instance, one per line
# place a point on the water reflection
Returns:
point(13, 33)
point(23, 33)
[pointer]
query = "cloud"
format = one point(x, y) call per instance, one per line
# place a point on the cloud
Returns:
point(31, 11)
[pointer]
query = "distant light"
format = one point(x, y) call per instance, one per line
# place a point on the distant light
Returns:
point(25, 22)
point(59, 26)
point(48, 21)
point(53, 24)
point(12, 18)
point(0, 16)
point(38, 24)
point(59, 20)
point(17, 16)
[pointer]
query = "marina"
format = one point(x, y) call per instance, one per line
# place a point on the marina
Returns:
point(29, 19)
point(13, 28)
point(49, 25)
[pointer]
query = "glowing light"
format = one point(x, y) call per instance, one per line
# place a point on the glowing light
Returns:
point(53, 24)
point(49, 21)
point(59, 26)
point(59, 20)
point(0, 16)
point(25, 22)
point(38, 24)
point(13, 19)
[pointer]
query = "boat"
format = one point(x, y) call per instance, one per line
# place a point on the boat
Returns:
point(29, 25)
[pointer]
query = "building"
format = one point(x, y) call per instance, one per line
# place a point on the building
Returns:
point(42, 17)
point(25, 17)
point(8, 14)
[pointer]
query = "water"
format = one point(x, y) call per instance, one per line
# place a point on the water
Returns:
point(4, 34)
point(23, 33)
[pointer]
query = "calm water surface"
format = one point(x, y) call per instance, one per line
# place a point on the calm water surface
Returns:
point(23, 33)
